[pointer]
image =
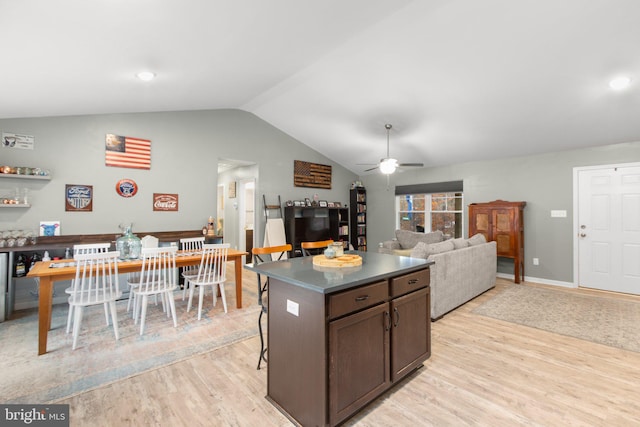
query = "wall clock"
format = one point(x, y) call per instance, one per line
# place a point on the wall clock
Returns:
point(126, 187)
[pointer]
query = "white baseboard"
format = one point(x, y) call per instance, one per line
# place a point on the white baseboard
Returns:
point(539, 280)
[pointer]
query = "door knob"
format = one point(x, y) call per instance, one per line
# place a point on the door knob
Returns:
point(583, 235)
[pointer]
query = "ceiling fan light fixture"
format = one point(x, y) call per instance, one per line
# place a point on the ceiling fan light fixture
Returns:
point(620, 83)
point(388, 166)
point(146, 76)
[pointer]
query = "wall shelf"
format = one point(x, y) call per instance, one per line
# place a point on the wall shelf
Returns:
point(15, 205)
point(16, 176)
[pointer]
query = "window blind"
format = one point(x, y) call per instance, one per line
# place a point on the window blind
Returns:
point(434, 187)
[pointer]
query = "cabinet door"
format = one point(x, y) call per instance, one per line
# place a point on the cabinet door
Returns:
point(411, 332)
point(480, 222)
point(359, 360)
point(504, 231)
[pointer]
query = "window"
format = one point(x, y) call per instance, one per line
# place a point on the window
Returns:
point(431, 212)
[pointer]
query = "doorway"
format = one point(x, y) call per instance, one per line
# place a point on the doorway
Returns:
point(607, 227)
point(246, 213)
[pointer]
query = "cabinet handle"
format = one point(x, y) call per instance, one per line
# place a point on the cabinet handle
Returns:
point(413, 281)
point(397, 315)
point(362, 298)
point(387, 323)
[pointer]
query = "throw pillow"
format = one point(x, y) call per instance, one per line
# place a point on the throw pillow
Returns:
point(460, 243)
point(476, 239)
point(423, 250)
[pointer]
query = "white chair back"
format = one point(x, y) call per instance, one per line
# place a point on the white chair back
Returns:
point(213, 266)
point(192, 244)
point(158, 273)
point(96, 280)
point(91, 248)
point(149, 242)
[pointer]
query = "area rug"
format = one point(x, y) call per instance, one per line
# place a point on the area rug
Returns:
point(99, 358)
point(597, 318)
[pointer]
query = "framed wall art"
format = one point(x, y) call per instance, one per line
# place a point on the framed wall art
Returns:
point(127, 152)
point(314, 175)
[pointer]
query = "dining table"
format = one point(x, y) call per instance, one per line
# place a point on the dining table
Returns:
point(48, 272)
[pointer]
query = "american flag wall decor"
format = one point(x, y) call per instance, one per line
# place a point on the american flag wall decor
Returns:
point(314, 175)
point(127, 152)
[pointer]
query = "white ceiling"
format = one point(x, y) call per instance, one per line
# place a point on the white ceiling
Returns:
point(460, 80)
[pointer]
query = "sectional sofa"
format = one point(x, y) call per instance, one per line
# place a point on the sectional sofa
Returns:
point(463, 269)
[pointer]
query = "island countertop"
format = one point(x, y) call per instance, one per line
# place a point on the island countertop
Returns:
point(375, 266)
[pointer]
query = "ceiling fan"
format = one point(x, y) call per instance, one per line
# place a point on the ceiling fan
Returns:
point(388, 165)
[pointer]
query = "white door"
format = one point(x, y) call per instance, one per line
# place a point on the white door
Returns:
point(608, 228)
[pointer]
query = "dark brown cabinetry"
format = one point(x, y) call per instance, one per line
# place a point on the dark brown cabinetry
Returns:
point(502, 222)
point(372, 349)
point(338, 339)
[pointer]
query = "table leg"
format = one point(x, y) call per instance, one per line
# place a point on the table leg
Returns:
point(45, 301)
point(238, 274)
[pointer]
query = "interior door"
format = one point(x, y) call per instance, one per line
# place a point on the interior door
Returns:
point(609, 228)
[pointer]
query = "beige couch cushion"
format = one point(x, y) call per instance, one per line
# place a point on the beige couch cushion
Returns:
point(476, 239)
point(460, 243)
point(423, 250)
point(409, 239)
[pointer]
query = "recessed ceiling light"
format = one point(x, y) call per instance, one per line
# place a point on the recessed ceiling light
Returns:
point(620, 83)
point(146, 75)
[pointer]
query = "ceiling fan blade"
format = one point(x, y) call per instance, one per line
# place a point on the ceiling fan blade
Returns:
point(371, 169)
point(419, 165)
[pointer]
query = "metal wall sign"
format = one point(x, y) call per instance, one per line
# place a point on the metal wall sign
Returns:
point(165, 202)
point(78, 198)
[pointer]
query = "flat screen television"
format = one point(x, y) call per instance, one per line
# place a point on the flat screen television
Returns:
point(311, 229)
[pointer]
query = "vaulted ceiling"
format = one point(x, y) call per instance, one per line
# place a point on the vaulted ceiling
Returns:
point(459, 80)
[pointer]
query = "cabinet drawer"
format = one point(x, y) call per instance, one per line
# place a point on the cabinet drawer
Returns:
point(357, 299)
point(410, 282)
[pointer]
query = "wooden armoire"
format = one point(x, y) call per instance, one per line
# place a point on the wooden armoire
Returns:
point(502, 222)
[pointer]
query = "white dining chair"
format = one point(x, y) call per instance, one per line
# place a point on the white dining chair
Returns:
point(158, 278)
point(133, 279)
point(211, 272)
point(89, 248)
point(190, 244)
point(95, 282)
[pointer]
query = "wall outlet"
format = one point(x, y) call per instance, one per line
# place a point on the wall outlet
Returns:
point(536, 261)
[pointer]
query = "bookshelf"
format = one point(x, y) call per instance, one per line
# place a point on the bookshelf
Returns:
point(358, 204)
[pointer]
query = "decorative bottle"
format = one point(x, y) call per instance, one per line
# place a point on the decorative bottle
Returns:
point(129, 245)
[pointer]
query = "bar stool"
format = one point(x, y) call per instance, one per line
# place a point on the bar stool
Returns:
point(259, 257)
point(314, 248)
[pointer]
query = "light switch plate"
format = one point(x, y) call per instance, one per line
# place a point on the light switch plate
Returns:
point(558, 214)
point(293, 307)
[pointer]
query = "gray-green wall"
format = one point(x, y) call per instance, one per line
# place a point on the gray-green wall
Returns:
point(544, 181)
point(184, 153)
point(185, 149)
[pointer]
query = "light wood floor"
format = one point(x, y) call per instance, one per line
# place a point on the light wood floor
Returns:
point(482, 372)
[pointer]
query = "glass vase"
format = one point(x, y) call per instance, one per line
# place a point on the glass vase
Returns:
point(129, 245)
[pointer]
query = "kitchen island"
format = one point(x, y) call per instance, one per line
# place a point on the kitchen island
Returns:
point(339, 337)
